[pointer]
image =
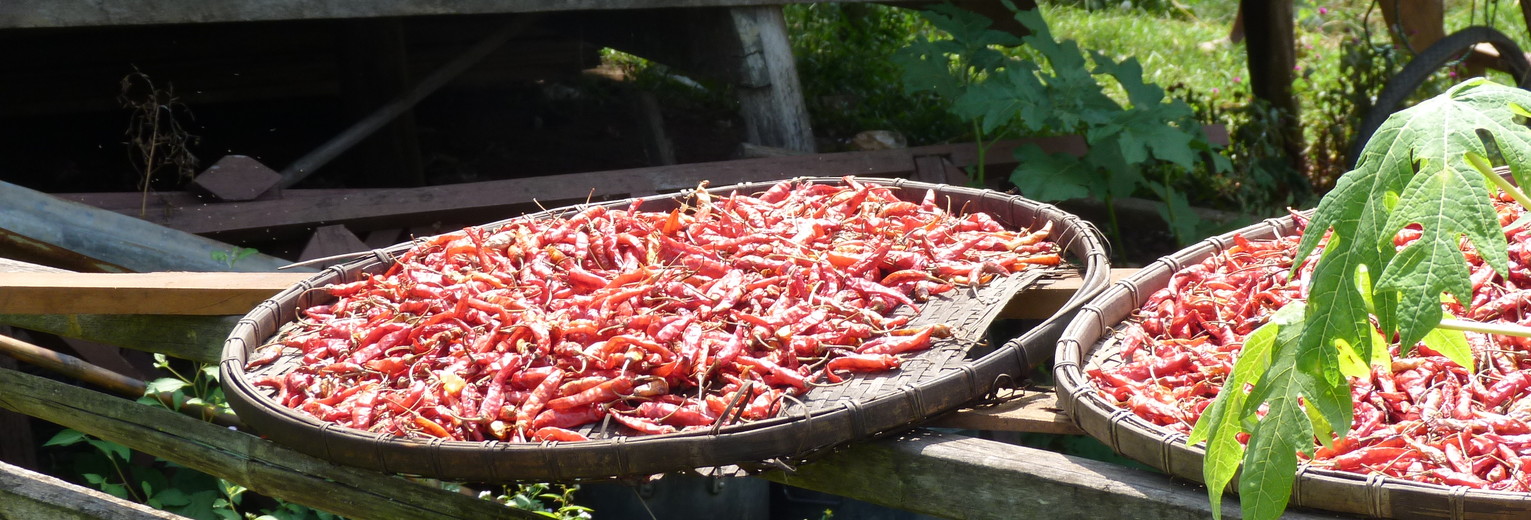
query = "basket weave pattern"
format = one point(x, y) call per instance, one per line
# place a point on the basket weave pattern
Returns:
point(954, 371)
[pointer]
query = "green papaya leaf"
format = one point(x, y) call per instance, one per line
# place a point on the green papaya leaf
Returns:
point(1049, 176)
point(1453, 345)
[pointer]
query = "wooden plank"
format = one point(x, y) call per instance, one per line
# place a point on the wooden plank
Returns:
point(28, 494)
point(1048, 295)
point(962, 477)
point(245, 459)
point(196, 338)
point(1034, 412)
point(299, 211)
point(80, 13)
point(178, 293)
point(37, 223)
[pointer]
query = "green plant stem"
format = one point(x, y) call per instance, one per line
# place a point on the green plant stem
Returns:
point(983, 152)
point(124, 479)
point(1483, 167)
point(1503, 329)
point(1116, 231)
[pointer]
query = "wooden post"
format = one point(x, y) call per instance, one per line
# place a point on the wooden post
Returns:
point(1270, 45)
point(770, 97)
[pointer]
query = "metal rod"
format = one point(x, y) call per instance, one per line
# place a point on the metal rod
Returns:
point(306, 165)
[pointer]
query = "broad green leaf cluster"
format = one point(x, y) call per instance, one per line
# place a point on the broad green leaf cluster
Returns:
point(1038, 85)
point(1426, 166)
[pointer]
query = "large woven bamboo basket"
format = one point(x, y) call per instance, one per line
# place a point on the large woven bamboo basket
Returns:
point(1090, 339)
point(954, 371)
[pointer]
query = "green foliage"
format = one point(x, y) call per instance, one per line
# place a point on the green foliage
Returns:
point(170, 487)
point(165, 486)
point(201, 388)
point(1340, 94)
point(543, 499)
point(1144, 143)
point(848, 83)
point(233, 255)
point(1426, 166)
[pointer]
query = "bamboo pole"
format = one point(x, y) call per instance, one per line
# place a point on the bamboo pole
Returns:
point(113, 382)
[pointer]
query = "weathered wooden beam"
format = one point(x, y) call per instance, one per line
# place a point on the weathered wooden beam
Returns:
point(195, 338)
point(53, 13)
point(239, 457)
point(1034, 412)
point(300, 211)
point(38, 224)
point(1048, 295)
point(28, 494)
point(129, 387)
point(177, 293)
point(953, 476)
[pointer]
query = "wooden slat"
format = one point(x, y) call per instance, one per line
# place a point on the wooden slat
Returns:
point(245, 459)
point(208, 294)
point(75, 13)
point(1049, 295)
point(197, 338)
point(1035, 412)
point(28, 494)
point(299, 211)
point(962, 477)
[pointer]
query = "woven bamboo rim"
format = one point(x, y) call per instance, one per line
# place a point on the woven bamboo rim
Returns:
point(930, 383)
point(1091, 338)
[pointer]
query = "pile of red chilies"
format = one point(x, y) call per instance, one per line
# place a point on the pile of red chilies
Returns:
point(1425, 418)
point(643, 322)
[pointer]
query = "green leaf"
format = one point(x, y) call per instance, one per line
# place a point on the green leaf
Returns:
point(1453, 345)
point(1445, 196)
point(1015, 95)
point(172, 497)
point(117, 490)
point(1449, 202)
point(93, 478)
point(164, 384)
point(110, 448)
point(1270, 461)
point(65, 437)
point(1219, 424)
point(1176, 209)
point(1049, 176)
